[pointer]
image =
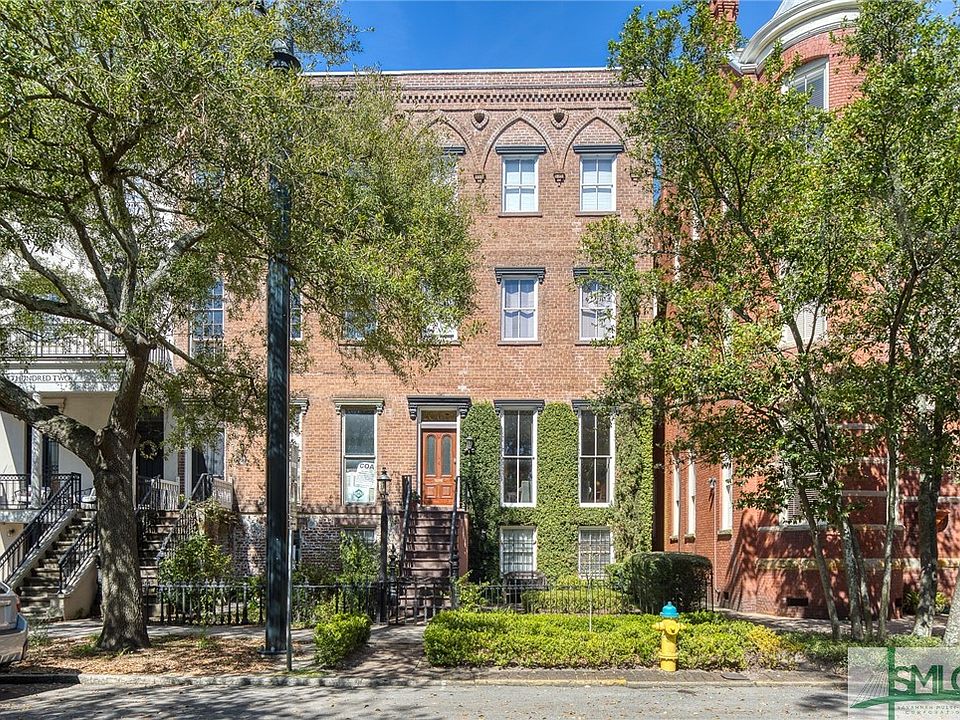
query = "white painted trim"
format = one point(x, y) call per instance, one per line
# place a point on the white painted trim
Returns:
point(536, 307)
point(533, 472)
point(536, 183)
point(611, 469)
point(613, 170)
point(519, 527)
point(376, 448)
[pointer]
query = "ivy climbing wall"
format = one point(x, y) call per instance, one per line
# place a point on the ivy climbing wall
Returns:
point(558, 515)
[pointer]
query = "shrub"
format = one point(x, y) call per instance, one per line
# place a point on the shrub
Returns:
point(651, 579)
point(338, 636)
point(572, 594)
point(199, 559)
point(359, 562)
point(461, 638)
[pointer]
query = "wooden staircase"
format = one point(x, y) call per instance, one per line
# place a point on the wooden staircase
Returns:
point(40, 590)
point(156, 526)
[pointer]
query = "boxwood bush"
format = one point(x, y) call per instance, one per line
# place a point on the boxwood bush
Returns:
point(708, 641)
point(650, 579)
point(339, 635)
point(572, 594)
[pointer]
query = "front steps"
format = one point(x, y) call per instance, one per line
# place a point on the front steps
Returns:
point(156, 528)
point(426, 564)
point(40, 590)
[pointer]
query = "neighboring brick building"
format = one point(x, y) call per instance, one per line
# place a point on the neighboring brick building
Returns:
point(763, 562)
point(544, 151)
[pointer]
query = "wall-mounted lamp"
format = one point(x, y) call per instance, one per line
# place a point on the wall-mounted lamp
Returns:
point(635, 175)
point(559, 177)
point(479, 177)
point(713, 483)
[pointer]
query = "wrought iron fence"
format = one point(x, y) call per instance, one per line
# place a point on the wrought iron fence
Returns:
point(15, 492)
point(156, 493)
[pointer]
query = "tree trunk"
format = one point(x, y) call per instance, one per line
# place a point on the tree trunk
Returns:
point(853, 579)
point(929, 496)
point(866, 608)
point(822, 569)
point(951, 636)
point(893, 487)
point(122, 605)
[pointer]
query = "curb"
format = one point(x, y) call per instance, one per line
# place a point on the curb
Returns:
point(367, 682)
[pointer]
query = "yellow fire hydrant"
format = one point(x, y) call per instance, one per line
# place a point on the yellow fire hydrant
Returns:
point(669, 627)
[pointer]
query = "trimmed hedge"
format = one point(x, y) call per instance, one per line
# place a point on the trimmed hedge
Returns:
point(338, 636)
point(708, 641)
point(651, 579)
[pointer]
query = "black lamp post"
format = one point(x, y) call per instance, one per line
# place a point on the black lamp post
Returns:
point(278, 397)
point(383, 487)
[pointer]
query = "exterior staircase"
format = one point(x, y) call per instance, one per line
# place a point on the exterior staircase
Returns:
point(156, 526)
point(40, 589)
point(425, 567)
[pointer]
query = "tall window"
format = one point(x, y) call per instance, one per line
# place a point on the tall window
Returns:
point(692, 497)
point(519, 456)
point(209, 459)
point(519, 184)
point(519, 315)
point(812, 80)
point(296, 314)
point(594, 551)
point(207, 332)
point(597, 312)
point(518, 549)
point(355, 327)
point(359, 445)
point(675, 532)
point(726, 499)
point(811, 322)
point(596, 459)
point(597, 185)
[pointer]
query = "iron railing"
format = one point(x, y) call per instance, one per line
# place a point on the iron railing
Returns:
point(66, 497)
point(188, 521)
point(16, 492)
point(57, 341)
point(407, 502)
point(454, 556)
point(80, 554)
point(157, 493)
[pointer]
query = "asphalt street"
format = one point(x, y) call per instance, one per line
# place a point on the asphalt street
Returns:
point(486, 702)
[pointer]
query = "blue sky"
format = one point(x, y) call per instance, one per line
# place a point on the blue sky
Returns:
point(456, 34)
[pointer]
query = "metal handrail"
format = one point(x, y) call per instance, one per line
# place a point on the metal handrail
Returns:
point(82, 551)
point(405, 532)
point(188, 519)
point(15, 491)
point(38, 530)
point(454, 554)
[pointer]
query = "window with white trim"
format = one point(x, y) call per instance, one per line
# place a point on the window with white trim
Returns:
point(206, 335)
point(811, 322)
point(359, 454)
point(675, 525)
point(519, 307)
point(520, 184)
point(726, 494)
point(594, 551)
point(597, 311)
point(366, 535)
point(355, 327)
point(518, 550)
point(812, 79)
point(691, 497)
point(596, 459)
point(296, 314)
point(598, 190)
point(518, 456)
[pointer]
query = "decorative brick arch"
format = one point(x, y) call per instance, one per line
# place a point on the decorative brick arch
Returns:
point(442, 125)
point(581, 129)
point(525, 119)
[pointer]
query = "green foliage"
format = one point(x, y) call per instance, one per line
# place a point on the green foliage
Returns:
point(558, 514)
point(338, 636)
point(911, 601)
point(359, 562)
point(579, 597)
point(471, 596)
point(457, 638)
point(199, 559)
point(654, 578)
point(823, 651)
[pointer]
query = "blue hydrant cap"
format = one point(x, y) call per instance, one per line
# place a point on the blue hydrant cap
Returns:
point(669, 611)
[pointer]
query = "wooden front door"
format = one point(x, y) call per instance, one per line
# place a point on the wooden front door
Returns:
point(438, 467)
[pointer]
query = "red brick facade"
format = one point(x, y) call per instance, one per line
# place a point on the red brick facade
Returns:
point(478, 112)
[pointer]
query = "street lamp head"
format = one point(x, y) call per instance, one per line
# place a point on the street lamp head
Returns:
point(468, 447)
point(383, 482)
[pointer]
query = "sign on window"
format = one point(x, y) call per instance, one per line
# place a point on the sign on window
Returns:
point(362, 483)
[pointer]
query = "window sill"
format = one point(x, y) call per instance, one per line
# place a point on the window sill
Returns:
point(605, 343)
point(519, 343)
point(351, 343)
point(674, 539)
point(724, 534)
point(595, 213)
point(689, 537)
point(596, 505)
point(517, 505)
point(520, 214)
